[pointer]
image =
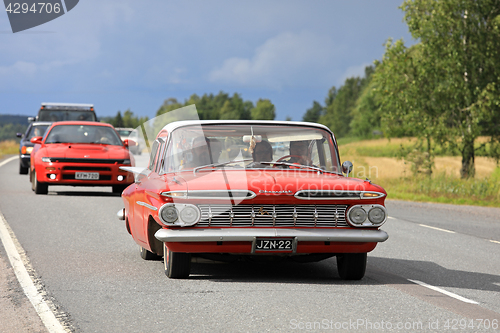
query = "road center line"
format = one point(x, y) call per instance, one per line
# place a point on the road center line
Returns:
point(13, 253)
point(460, 298)
point(428, 226)
point(494, 241)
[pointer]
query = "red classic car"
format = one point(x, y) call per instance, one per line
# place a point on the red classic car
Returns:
point(201, 196)
point(80, 153)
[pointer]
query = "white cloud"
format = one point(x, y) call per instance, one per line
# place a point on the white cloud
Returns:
point(285, 60)
point(20, 67)
point(51, 49)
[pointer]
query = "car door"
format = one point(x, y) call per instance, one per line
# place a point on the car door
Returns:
point(146, 196)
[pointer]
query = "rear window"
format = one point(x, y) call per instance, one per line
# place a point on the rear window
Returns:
point(60, 115)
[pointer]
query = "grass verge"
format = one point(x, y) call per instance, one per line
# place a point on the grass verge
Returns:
point(10, 147)
point(377, 160)
point(443, 188)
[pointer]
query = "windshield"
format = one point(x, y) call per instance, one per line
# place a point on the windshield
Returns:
point(83, 134)
point(60, 115)
point(251, 147)
point(123, 132)
point(37, 130)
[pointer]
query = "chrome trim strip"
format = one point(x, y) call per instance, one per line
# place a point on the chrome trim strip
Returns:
point(249, 234)
point(198, 194)
point(355, 195)
point(140, 203)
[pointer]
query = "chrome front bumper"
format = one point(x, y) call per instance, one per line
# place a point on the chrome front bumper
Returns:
point(249, 234)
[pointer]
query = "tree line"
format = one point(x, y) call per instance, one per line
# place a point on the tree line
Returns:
point(444, 90)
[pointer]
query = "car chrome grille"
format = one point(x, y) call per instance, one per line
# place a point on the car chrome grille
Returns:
point(272, 216)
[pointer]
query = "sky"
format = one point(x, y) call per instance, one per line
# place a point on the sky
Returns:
point(126, 54)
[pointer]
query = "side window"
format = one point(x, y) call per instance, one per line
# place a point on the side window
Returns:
point(154, 154)
point(160, 160)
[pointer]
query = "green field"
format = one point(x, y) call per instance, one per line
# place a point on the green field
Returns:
point(8, 148)
point(378, 160)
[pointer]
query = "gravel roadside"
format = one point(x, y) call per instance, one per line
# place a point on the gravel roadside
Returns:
point(17, 314)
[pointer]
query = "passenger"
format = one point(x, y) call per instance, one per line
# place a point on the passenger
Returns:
point(204, 151)
point(262, 152)
point(103, 136)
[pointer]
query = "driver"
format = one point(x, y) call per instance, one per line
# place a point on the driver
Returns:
point(300, 152)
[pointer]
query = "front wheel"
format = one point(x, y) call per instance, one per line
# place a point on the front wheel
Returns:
point(351, 266)
point(118, 189)
point(147, 255)
point(177, 265)
point(39, 187)
point(22, 169)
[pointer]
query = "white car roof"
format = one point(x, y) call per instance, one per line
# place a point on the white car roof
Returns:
point(181, 123)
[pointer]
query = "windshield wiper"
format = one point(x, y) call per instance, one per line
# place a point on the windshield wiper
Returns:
point(215, 165)
point(302, 166)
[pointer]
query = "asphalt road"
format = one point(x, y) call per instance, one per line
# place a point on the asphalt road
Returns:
point(91, 272)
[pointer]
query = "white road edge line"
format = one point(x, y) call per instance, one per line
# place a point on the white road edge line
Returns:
point(494, 241)
point(428, 226)
point(8, 160)
point(460, 298)
point(13, 253)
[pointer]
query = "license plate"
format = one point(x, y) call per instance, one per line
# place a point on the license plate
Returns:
point(274, 244)
point(87, 175)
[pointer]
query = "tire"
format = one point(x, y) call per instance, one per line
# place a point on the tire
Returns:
point(147, 255)
point(177, 265)
point(118, 189)
point(351, 266)
point(22, 170)
point(38, 187)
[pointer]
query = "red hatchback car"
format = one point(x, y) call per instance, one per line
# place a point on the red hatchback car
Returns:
point(80, 153)
point(203, 196)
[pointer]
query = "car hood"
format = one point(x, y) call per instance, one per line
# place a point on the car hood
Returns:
point(86, 151)
point(276, 183)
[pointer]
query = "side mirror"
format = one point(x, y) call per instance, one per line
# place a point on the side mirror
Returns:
point(129, 143)
point(31, 119)
point(19, 135)
point(36, 140)
point(347, 167)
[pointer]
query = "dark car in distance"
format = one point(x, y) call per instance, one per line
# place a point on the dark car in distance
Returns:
point(65, 111)
point(26, 146)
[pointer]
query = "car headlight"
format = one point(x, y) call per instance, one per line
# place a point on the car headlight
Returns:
point(376, 215)
point(357, 215)
point(168, 213)
point(46, 159)
point(190, 214)
point(367, 215)
point(178, 214)
point(126, 161)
